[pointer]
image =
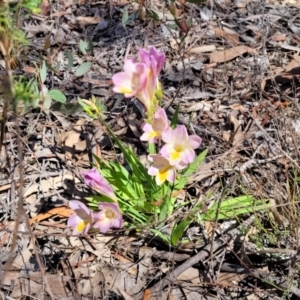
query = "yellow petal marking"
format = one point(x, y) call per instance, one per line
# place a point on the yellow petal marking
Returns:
point(162, 175)
point(109, 214)
point(81, 225)
point(174, 155)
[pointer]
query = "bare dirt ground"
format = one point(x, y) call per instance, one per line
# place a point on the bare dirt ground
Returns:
point(233, 68)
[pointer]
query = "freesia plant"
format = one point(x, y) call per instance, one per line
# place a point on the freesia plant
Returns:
point(144, 194)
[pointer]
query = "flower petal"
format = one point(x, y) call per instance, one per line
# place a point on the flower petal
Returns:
point(152, 171)
point(159, 125)
point(80, 209)
point(130, 65)
point(73, 220)
point(87, 228)
point(160, 178)
point(194, 141)
point(166, 150)
point(123, 84)
point(167, 136)
point(146, 127)
point(171, 175)
point(103, 225)
point(175, 157)
point(180, 135)
point(188, 155)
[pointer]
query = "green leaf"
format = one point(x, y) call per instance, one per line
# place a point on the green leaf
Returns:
point(189, 22)
point(161, 235)
point(152, 15)
point(232, 208)
point(178, 230)
point(140, 173)
point(174, 120)
point(69, 56)
point(83, 46)
point(151, 148)
point(125, 17)
point(43, 72)
point(57, 96)
point(190, 170)
point(84, 68)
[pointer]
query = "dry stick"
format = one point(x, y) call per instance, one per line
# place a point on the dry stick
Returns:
point(205, 253)
point(6, 47)
point(200, 256)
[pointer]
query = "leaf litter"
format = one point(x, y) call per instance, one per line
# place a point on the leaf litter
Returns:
point(235, 77)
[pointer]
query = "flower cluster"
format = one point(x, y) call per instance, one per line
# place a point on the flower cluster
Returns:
point(177, 152)
point(140, 78)
point(109, 214)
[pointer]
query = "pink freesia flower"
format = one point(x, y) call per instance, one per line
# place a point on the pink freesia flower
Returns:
point(162, 169)
point(83, 218)
point(140, 77)
point(97, 182)
point(109, 216)
point(152, 132)
point(132, 80)
point(179, 147)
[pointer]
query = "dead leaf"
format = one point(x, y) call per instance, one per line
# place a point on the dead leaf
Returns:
point(229, 54)
point(86, 21)
point(62, 211)
point(232, 38)
point(295, 62)
point(203, 106)
point(191, 275)
point(279, 37)
point(202, 49)
point(60, 36)
point(147, 295)
point(237, 134)
point(30, 70)
point(226, 279)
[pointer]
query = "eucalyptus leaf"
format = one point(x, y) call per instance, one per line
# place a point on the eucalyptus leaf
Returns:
point(84, 68)
point(125, 17)
point(70, 59)
point(57, 96)
point(43, 72)
point(83, 46)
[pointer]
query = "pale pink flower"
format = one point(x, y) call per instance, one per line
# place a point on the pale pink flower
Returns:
point(154, 61)
point(140, 77)
point(109, 216)
point(179, 147)
point(83, 218)
point(153, 132)
point(97, 182)
point(162, 169)
point(132, 80)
